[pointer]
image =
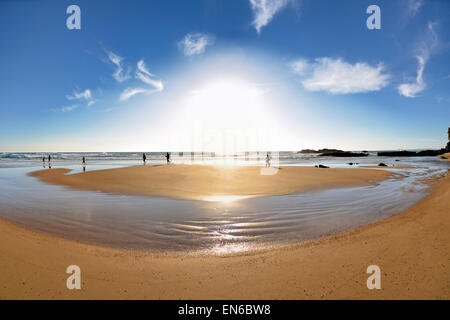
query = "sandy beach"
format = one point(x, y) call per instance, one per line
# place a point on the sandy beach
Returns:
point(200, 181)
point(225, 150)
point(412, 250)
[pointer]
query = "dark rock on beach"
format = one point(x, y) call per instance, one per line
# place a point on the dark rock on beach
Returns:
point(334, 153)
point(382, 165)
point(306, 151)
point(322, 166)
point(447, 148)
point(424, 153)
point(344, 154)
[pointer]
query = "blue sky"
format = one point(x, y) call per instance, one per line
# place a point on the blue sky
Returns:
point(217, 74)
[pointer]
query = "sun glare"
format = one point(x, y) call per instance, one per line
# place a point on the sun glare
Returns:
point(227, 115)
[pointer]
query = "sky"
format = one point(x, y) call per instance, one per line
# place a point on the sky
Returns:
point(223, 75)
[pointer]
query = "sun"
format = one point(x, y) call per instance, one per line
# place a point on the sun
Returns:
point(227, 103)
point(227, 115)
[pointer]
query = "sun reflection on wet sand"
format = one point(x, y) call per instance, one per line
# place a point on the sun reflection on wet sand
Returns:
point(230, 248)
point(224, 198)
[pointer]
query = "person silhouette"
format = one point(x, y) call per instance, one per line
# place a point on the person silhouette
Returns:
point(49, 158)
point(84, 160)
point(168, 157)
point(43, 162)
point(83, 163)
point(144, 158)
point(268, 157)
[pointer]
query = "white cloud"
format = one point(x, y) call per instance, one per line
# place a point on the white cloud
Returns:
point(142, 68)
point(144, 75)
point(265, 10)
point(195, 43)
point(425, 50)
point(339, 77)
point(129, 92)
point(156, 84)
point(84, 95)
point(300, 66)
point(119, 73)
point(413, 7)
point(410, 90)
point(66, 108)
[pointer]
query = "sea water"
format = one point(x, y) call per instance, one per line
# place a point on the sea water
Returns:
point(212, 226)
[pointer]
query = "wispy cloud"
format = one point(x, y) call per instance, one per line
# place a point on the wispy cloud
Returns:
point(413, 7)
point(339, 77)
point(142, 68)
point(119, 74)
point(265, 10)
point(144, 75)
point(84, 95)
point(410, 90)
point(66, 108)
point(300, 66)
point(130, 92)
point(425, 49)
point(441, 99)
point(195, 43)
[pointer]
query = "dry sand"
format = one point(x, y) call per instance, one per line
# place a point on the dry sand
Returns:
point(412, 250)
point(201, 181)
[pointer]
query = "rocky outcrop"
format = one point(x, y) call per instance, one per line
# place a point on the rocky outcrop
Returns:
point(344, 154)
point(448, 143)
point(320, 151)
point(424, 153)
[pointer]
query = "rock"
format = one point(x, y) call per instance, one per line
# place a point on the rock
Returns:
point(382, 165)
point(330, 151)
point(322, 166)
point(442, 157)
point(344, 154)
point(430, 153)
point(424, 153)
point(308, 151)
point(448, 143)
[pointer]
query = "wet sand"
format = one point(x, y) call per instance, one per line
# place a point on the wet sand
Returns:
point(389, 167)
point(200, 182)
point(412, 250)
point(446, 155)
